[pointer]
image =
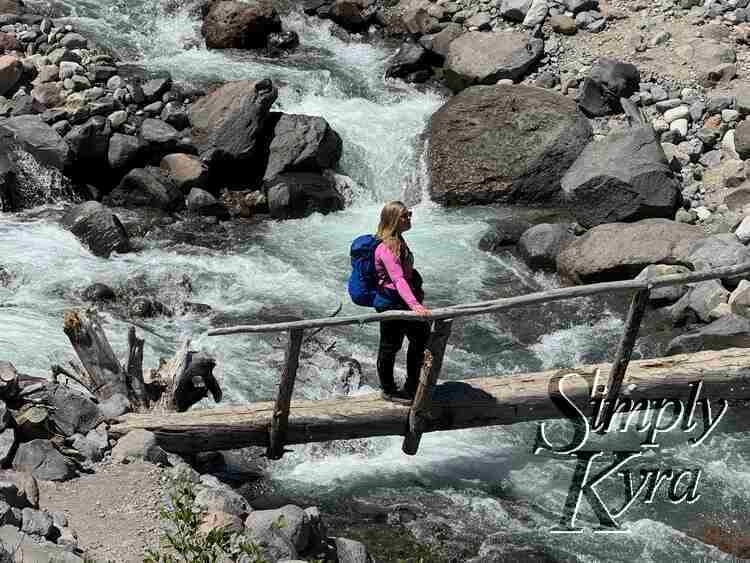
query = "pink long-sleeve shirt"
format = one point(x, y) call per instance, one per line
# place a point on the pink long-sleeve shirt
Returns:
point(392, 274)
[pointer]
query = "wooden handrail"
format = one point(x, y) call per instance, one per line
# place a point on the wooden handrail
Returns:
point(421, 411)
point(483, 307)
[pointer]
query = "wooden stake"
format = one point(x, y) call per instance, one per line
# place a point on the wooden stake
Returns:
point(421, 409)
point(624, 352)
point(280, 419)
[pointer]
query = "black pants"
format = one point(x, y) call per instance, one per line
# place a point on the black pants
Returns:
point(391, 337)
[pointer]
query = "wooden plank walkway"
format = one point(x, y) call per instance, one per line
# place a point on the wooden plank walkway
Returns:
point(499, 400)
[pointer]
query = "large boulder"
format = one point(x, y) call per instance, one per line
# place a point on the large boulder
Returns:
point(98, 228)
point(624, 177)
point(240, 25)
point(608, 81)
point(73, 411)
point(504, 144)
point(616, 251)
point(229, 124)
point(718, 251)
point(185, 170)
point(298, 194)
point(302, 143)
point(484, 58)
point(729, 331)
point(39, 139)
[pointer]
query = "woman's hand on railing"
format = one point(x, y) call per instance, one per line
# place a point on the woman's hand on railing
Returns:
point(422, 311)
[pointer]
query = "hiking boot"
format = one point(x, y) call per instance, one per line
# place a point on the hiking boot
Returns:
point(397, 397)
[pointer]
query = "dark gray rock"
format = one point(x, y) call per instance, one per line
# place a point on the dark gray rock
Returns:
point(98, 292)
point(229, 123)
point(298, 194)
point(155, 88)
point(123, 151)
point(73, 412)
point(608, 81)
point(203, 203)
point(89, 142)
point(11, 198)
point(540, 245)
point(43, 461)
point(176, 115)
point(503, 233)
point(410, 57)
point(98, 228)
point(302, 143)
point(438, 43)
point(517, 152)
point(159, 138)
point(730, 331)
point(148, 187)
point(625, 177)
point(718, 251)
point(484, 58)
point(39, 139)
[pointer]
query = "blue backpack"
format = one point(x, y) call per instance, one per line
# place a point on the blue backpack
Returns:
point(363, 283)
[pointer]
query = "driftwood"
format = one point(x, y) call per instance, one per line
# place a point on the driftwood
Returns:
point(457, 404)
point(175, 386)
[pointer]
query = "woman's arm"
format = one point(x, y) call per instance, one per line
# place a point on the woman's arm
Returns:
point(396, 273)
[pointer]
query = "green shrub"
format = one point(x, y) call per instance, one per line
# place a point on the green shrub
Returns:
point(185, 544)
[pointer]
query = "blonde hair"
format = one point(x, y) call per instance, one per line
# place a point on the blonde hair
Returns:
point(388, 231)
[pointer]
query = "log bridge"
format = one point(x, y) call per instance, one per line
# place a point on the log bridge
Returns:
point(452, 405)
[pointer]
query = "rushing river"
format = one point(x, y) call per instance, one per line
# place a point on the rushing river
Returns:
point(462, 486)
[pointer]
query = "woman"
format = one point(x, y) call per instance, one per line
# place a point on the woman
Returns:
point(399, 288)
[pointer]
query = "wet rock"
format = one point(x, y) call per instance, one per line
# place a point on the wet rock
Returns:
point(145, 308)
point(352, 15)
point(484, 58)
point(176, 115)
point(616, 251)
point(517, 153)
point(39, 139)
point(298, 194)
point(625, 177)
point(43, 461)
point(302, 143)
point(98, 292)
point(284, 41)
point(240, 25)
point(730, 331)
point(148, 187)
point(410, 57)
point(540, 245)
point(503, 233)
point(98, 228)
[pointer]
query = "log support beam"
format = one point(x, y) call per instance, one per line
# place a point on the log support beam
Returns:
point(491, 401)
